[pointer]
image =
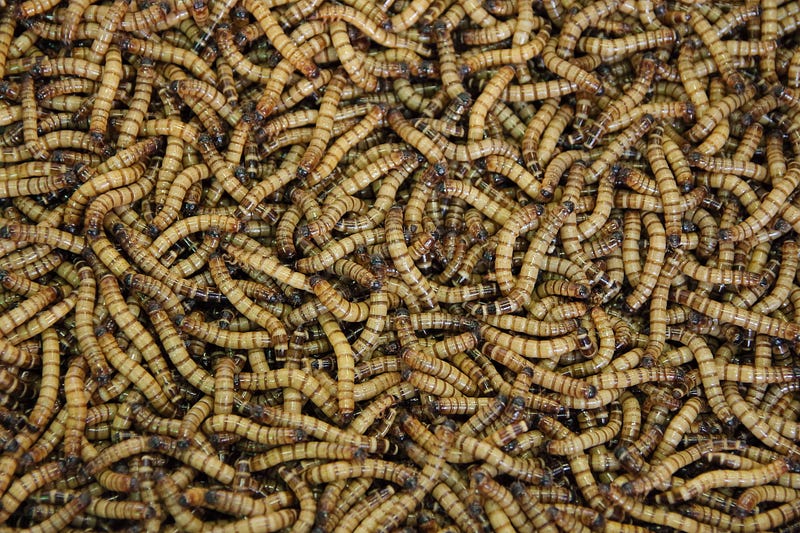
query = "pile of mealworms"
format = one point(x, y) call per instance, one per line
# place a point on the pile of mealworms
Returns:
point(399, 265)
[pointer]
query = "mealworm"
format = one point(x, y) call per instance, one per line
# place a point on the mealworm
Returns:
point(309, 252)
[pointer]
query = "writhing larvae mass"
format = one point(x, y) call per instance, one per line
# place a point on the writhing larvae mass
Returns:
point(415, 265)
